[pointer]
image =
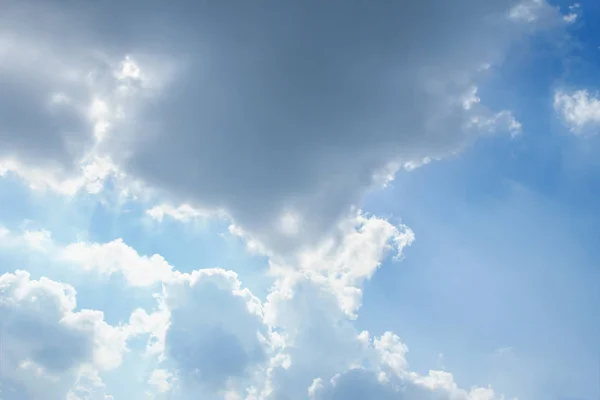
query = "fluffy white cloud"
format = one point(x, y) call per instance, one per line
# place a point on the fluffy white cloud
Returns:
point(328, 359)
point(117, 257)
point(346, 258)
point(579, 109)
point(283, 131)
point(207, 329)
point(210, 335)
point(49, 349)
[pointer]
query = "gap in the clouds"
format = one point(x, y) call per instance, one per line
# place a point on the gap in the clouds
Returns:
point(495, 263)
point(21, 204)
point(547, 158)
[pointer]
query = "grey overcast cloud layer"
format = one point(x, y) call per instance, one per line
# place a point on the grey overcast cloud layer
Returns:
point(261, 109)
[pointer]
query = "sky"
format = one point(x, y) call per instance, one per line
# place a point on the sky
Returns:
point(281, 200)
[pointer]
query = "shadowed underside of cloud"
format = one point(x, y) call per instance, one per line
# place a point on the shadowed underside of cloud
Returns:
point(283, 112)
point(213, 335)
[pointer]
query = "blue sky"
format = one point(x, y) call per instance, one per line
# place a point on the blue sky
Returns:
point(300, 200)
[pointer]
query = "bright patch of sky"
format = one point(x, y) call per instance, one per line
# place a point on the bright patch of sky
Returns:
point(304, 200)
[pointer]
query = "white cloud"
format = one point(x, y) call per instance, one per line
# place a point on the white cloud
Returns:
point(117, 257)
point(502, 120)
point(537, 12)
point(213, 336)
point(527, 11)
point(391, 379)
point(580, 110)
point(161, 380)
point(184, 212)
point(574, 11)
point(570, 18)
point(352, 255)
point(48, 348)
point(36, 240)
point(328, 359)
point(90, 177)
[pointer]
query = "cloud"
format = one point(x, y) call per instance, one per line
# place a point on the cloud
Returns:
point(39, 240)
point(390, 378)
point(281, 118)
point(216, 335)
point(580, 110)
point(318, 336)
point(348, 257)
point(284, 130)
point(209, 335)
point(182, 213)
point(264, 137)
point(117, 257)
point(63, 95)
point(208, 329)
point(535, 11)
point(329, 359)
point(48, 348)
point(161, 379)
point(574, 13)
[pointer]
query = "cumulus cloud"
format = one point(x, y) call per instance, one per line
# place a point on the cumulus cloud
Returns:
point(328, 359)
point(281, 116)
point(216, 335)
point(49, 349)
point(580, 110)
point(210, 335)
point(117, 257)
point(206, 327)
point(348, 257)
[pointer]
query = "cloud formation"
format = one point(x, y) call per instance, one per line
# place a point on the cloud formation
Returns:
point(216, 334)
point(48, 348)
point(210, 335)
point(580, 110)
point(281, 116)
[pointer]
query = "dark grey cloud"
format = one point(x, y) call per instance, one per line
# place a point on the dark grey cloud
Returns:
point(297, 105)
point(284, 106)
